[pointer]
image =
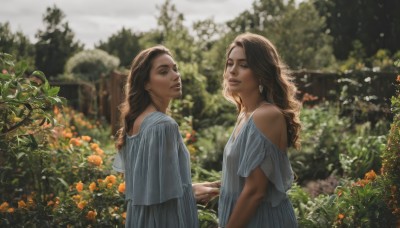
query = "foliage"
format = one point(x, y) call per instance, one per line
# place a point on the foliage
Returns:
point(323, 132)
point(26, 103)
point(17, 44)
point(362, 152)
point(55, 44)
point(124, 44)
point(375, 27)
point(297, 31)
point(391, 157)
point(90, 65)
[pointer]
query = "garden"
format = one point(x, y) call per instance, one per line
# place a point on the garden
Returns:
point(56, 152)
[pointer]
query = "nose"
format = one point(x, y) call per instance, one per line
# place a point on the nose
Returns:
point(232, 69)
point(176, 76)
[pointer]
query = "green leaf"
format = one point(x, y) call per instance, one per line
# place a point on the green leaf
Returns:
point(5, 76)
point(53, 91)
point(40, 75)
point(63, 182)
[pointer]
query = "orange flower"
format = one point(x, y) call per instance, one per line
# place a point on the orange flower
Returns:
point(67, 134)
point(371, 175)
point(121, 187)
point(398, 78)
point(123, 215)
point(340, 192)
point(82, 204)
point(111, 178)
point(75, 141)
point(21, 204)
point(79, 186)
point(109, 185)
point(92, 186)
point(91, 215)
point(56, 110)
point(50, 203)
point(4, 206)
point(86, 138)
point(11, 210)
point(99, 151)
point(94, 146)
point(341, 216)
point(95, 160)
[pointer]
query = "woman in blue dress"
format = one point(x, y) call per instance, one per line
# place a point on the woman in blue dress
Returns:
point(152, 155)
point(256, 171)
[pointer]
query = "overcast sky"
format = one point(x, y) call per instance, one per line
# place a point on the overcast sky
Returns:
point(95, 20)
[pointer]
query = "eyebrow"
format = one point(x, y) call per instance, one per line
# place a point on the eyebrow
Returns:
point(237, 59)
point(165, 65)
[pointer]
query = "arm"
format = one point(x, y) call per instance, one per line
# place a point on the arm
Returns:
point(253, 192)
point(270, 121)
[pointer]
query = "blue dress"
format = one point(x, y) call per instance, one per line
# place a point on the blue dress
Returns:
point(251, 149)
point(156, 167)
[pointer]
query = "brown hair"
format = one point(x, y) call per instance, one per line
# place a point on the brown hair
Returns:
point(136, 97)
point(279, 89)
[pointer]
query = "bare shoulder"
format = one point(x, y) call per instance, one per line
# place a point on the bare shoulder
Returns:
point(270, 121)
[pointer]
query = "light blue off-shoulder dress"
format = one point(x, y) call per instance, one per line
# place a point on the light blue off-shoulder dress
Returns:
point(249, 150)
point(156, 167)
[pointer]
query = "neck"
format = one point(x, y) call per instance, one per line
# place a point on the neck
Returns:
point(160, 105)
point(251, 102)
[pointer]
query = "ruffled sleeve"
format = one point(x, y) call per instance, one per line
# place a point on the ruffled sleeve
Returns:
point(156, 176)
point(259, 151)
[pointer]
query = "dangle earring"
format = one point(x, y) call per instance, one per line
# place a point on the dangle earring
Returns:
point(261, 88)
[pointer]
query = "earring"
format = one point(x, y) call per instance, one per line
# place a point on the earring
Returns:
point(261, 88)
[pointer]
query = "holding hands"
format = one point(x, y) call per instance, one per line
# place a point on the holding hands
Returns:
point(205, 191)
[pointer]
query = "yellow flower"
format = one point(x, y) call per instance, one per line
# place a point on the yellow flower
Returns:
point(95, 160)
point(82, 204)
point(76, 197)
point(79, 186)
point(121, 187)
point(21, 204)
point(92, 186)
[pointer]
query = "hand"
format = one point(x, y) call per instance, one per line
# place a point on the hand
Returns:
point(203, 192)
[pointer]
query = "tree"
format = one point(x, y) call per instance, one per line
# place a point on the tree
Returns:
point(56, 44)
point(125, 45)
point(89, 65)
point(297, 31)
point(16, 44)
point(376, 26)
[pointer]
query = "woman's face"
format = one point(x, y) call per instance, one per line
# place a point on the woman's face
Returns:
point(238, 76)
point(165, 81)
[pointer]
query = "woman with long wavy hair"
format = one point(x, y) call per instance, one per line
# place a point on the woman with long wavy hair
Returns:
point(256, 170)
point(152, 155)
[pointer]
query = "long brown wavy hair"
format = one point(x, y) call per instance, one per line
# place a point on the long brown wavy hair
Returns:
point(136, 96)
point(279, 89)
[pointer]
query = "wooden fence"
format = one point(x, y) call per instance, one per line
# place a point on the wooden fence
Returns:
point(103, 99)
